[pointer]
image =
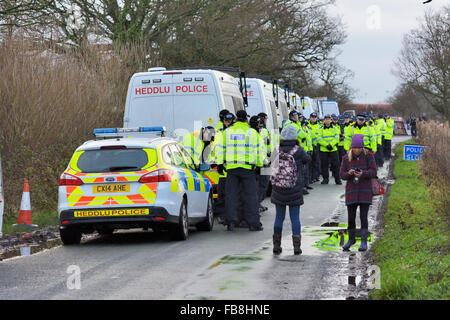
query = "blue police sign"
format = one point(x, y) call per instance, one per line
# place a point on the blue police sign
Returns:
point(413, 152)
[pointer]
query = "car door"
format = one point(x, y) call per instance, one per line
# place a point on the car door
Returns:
point(189, 180)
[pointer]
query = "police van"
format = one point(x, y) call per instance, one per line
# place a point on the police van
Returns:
point(328, 107)
point(182, 100)
point(280, 103)
point(309, 106)
point(260, 99)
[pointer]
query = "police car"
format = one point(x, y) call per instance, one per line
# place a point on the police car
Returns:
point(138, 179)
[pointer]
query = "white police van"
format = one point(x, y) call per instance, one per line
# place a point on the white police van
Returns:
point(328, 107)
point(310, 105)
point(185, 99)
point(260, 99)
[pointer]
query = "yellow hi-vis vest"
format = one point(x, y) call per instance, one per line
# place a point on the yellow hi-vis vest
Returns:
point(328, 136)
point(389, 129)
point(370, 139)
point(314, 131)
point(241, 149)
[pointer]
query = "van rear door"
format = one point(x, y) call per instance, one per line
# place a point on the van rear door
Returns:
point(150, 101)
point(195, 99)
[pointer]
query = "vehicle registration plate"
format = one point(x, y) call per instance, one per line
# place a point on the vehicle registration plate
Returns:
point(107, 188)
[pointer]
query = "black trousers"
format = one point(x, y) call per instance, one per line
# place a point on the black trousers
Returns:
point(263, 184)
point(241, 183)
point(379, 155)
point(413, 131)
point(315, 163)
point(363, 211)
point(219, 205)
point(341, 153)
point(327, 158)
point(387, 149)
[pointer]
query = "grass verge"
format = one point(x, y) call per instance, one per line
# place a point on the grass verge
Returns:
point(413, 251)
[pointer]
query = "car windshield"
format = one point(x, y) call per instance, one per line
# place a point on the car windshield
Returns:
point(114, 160)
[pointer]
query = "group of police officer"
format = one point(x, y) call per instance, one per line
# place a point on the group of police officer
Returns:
point(241, 148)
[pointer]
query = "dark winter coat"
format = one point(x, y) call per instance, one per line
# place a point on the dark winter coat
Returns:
point(294, 196)
point(362, 191)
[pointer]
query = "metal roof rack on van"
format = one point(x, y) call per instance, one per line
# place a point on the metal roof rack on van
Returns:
point(217, 68)
point(268, 79)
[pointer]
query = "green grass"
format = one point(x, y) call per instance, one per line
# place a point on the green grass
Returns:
point(413, 251)
point(42, 219)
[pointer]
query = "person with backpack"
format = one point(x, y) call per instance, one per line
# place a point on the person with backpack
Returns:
point(358, 169)
point(287, 186)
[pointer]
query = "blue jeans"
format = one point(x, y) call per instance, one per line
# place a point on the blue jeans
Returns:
point(294, 213)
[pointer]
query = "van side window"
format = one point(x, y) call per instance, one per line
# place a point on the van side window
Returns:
point(238, 104)
point(229, 103)
point(274, 114)
point(177, 157)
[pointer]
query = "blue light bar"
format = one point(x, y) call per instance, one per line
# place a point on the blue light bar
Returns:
point(105, 130)
point(150, 129)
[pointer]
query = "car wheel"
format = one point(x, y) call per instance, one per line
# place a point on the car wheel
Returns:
point(181, 230)
point(208, 224)
point(70, 236)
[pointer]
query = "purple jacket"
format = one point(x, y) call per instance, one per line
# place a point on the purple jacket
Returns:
point(362, 191)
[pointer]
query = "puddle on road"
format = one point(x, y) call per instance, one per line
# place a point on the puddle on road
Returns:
point(27, 250)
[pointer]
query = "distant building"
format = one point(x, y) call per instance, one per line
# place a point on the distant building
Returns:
point(374, 108)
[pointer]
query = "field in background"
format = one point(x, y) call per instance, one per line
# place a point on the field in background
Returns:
point(51, 99)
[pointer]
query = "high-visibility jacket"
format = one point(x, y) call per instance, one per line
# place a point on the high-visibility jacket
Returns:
point(370, 139)
point(194, 145)
point(314, 131)
point(309, 143)
point(220, 126)
point(328, 135)
point(380, 130)
point(290, 122)
point(339, 131)
point(240, 148)
point(266, 138)
point(389, 129)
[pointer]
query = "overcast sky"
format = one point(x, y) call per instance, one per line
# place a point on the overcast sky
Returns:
point(373, 44)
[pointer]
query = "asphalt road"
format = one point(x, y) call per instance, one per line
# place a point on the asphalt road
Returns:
point(212, 265)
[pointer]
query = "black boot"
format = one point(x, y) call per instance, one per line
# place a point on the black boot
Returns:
point(277, 244)
point(325, 181)
point(297, 241)
point(351, 240)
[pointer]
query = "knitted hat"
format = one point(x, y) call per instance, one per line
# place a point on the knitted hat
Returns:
point(288, 133)
point(357, 141)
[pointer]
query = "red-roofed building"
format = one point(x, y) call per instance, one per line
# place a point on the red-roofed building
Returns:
point(370, 107)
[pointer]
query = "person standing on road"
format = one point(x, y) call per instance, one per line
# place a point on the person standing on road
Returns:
point(263, 181)
point(389, 132)
point(314, 126)
point(328, 139)
point(292, 197)
point(358, 168)
point(240, 155)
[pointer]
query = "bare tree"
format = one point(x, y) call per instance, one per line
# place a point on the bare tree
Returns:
point(424, 62)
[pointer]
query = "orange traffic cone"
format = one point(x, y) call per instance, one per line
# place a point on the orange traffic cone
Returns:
point(24, 219)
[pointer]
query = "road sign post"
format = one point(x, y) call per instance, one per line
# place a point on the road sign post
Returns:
point(413, 152)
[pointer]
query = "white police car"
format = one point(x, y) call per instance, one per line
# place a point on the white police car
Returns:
point(136, 180)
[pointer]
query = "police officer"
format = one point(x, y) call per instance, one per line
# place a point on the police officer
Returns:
point(197, 144)
point(328, 139)
point(361, 126)
point(342, 126)
point(389, 132)
point(220, 126)
point(239, 156)
point(314, 126)
point(380, 126)
point(263, 179)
